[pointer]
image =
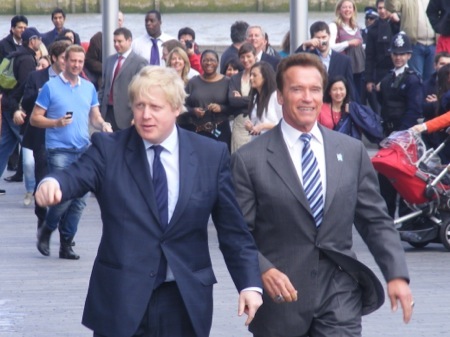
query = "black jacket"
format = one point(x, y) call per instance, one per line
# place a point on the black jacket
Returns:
point(33, 137)
point(378, 58)
point(24, 63)
point(7, 46)
point(438, 12)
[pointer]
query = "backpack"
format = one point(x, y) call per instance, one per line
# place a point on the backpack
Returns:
point(7, 78)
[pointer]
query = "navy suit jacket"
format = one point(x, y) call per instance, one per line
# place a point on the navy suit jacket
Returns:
point(273, 61)
point(340, 65)
point(115, 167)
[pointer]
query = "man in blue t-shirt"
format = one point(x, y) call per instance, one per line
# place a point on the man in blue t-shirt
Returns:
point(64, 107)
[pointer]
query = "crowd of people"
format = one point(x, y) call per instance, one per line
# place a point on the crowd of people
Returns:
point(273, 112)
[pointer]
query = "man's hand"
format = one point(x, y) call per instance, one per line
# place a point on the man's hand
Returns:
point(249, 302)
point(19, 117)
point(431, 98)
point(63, 121)
point(48, 193)
point(398, 290)
point(370, 86)
point(106, 127)
point(278, 286)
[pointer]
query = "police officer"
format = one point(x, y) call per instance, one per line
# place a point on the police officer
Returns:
point(401, 97)
point(401, 93)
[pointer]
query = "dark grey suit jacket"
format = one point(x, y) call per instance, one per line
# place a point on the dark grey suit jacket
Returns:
point(122, 108)
point(276, 209)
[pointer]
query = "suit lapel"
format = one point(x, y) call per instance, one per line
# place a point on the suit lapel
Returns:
point(188, 171)
point(279, 158)
point(334, 161)
point(136, 161)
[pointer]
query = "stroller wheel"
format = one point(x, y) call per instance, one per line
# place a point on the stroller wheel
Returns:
point(445, 234)
point(418, 244)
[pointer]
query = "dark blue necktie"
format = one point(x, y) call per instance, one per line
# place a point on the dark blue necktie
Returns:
point(154, 57)
point(312, 183)
point(160, 186)
point(161, 195)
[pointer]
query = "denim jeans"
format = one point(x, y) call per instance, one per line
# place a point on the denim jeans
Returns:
point(9, 139)
point(68, 213)
point(422, 60)
point(28, 169)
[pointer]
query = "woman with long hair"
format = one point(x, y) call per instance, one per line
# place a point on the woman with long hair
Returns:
point(238, 96)
point(336, 103)
point(346, 37)
point(265, 112)
point(339, 113)
point(179, 60)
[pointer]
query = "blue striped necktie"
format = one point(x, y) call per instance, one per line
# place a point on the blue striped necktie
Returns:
point(312, 184)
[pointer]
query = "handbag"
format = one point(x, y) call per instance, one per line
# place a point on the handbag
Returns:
point(208, 123)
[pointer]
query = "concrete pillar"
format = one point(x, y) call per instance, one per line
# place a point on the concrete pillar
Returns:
point(260, 5)
point(17, 7)
point(299, 23)
point(109, 24)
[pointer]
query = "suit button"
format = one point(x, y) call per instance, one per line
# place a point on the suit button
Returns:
point(152, 274)
point(313, 273)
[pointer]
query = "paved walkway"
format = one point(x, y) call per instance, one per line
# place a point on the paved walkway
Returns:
point(41, 297)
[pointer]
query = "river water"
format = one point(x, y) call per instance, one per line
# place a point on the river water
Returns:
point(210, 28)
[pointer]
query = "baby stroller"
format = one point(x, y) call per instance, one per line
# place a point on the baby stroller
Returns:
point(418, 176)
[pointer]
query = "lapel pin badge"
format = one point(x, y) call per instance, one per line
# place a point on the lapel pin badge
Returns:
point(339, 157)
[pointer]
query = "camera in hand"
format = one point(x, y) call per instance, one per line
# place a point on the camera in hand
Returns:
point(69, 114)
point(188, 44)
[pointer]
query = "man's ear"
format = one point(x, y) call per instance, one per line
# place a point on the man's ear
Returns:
point(280, 97)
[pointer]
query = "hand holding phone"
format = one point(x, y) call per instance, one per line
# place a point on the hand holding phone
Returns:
point(69, 114)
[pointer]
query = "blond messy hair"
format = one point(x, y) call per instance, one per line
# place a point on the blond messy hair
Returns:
point(166, 79)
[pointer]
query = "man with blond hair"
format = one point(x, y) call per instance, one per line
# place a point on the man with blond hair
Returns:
point(157, 186)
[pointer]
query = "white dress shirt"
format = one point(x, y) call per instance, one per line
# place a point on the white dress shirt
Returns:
point(294, 144)
point(143, 46)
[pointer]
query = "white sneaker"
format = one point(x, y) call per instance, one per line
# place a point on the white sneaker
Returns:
point(28, 199)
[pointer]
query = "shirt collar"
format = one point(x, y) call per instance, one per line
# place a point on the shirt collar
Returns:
point(65, 80)
point(292, 135)
point(169, 144)
point(126, 54)
point(51, 72)
point(399, 71)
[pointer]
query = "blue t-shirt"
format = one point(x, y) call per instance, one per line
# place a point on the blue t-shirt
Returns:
point(58, 97)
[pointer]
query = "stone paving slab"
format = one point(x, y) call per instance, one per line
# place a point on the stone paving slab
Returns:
point(42, 297)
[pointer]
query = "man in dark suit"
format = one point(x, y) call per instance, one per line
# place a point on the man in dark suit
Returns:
point(238, 32)
point(301, 187)
point(153, 263)
point(119, 70)
point(336, 64)
point(256, 36)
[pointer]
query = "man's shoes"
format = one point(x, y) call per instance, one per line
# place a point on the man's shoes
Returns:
point(66, 251)
point(2, 192)
point(43, 243)
point(14, 179)
point(12, 168)
point(28, 199)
